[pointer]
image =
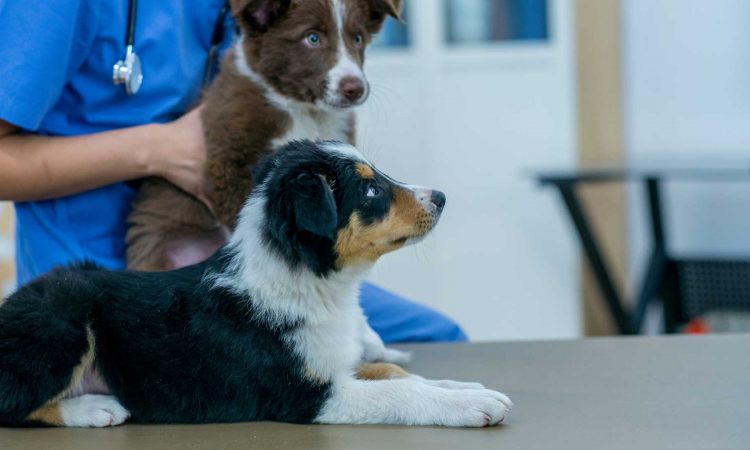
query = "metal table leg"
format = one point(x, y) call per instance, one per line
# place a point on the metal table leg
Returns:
point(601, 271)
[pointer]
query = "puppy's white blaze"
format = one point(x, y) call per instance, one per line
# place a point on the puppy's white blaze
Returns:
point(345, 65)
point(327, 340)
point(344, 149)
point(339, 14)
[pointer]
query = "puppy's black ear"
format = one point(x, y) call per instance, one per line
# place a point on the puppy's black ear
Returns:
point(314, 205)
point(256, 16)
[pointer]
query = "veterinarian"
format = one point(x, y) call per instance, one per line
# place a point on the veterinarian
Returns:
point(73, 143)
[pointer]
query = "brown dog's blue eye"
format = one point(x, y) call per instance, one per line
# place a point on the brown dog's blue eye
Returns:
point(358, 39)
point(313, 39)
point(372, 191)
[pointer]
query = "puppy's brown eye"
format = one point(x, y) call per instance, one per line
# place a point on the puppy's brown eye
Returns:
point(372, 191)
point(359, 39)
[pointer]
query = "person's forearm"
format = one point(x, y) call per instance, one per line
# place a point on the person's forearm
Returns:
point(37, 167)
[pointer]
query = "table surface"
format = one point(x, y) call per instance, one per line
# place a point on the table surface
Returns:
point(607, 393)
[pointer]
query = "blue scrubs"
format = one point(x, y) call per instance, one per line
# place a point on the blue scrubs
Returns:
point(56, 60)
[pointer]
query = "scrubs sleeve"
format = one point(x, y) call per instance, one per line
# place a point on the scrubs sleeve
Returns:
point(42, 44)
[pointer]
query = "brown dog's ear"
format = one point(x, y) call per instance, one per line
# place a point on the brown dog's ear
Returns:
point(379, 9)
point(255, 16)
point(388, 7)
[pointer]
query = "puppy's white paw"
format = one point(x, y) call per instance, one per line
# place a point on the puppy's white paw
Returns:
point(393, 356)
point(450, 384)
point(93, 411)
point(478, 408)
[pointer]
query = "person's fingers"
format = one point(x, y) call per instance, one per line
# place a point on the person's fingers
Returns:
point(207, 202)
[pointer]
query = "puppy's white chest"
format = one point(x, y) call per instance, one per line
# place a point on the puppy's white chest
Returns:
point(328, 349)
point(307, 123)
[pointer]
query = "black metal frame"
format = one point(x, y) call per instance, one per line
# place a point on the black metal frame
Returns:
point(660, 280)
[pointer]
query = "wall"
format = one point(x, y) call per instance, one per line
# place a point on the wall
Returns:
point(687, 92)
point(474, 122)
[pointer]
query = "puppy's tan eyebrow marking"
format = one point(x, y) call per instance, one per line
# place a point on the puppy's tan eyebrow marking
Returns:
point(365, 171)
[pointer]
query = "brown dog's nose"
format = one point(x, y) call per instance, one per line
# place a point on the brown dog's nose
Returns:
point(352, 88)
point(438, 199)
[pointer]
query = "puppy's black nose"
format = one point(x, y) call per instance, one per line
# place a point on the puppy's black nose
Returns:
point(438, 199)
point(352, 88)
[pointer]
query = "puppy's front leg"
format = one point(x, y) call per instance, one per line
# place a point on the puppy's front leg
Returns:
point(374, 350)
point(407, 401)
point(386, 371)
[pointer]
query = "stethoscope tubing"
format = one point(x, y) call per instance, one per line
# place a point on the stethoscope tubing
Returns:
point(132, 19)
point(129, 67)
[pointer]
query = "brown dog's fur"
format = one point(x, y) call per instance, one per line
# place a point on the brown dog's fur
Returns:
point(242, 122)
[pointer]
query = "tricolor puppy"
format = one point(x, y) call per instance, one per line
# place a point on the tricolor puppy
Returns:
point(268, 328)
point(295, 72)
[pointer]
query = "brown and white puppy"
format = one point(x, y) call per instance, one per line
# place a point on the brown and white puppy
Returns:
point(295, 72)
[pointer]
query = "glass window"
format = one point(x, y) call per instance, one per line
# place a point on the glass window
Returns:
point(477, 21)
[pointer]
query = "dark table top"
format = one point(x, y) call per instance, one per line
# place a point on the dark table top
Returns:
point(609, 393)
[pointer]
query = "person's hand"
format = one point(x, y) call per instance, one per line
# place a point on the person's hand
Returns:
point(181, 155)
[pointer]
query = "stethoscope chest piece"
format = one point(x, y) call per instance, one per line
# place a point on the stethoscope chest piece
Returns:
point(128, 72)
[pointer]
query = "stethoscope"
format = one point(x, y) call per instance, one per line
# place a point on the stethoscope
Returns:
point(129, 71)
